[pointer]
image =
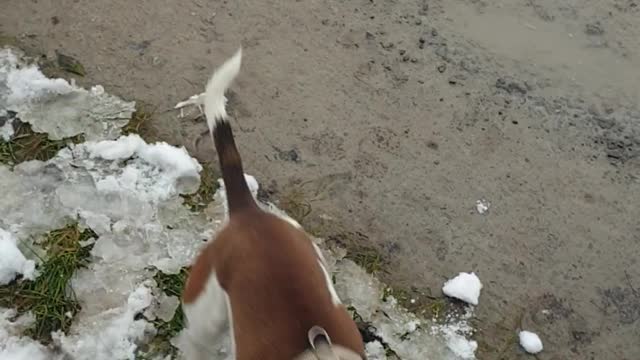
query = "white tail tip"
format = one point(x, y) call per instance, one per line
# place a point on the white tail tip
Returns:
point(214, 99)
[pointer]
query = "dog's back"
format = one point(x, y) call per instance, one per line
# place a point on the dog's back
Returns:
point(281, 291)
point(273, 279)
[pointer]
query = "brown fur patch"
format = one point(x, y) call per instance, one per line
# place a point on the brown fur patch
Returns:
point(276, 287)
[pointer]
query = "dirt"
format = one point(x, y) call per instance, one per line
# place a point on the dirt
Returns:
point(391, 118)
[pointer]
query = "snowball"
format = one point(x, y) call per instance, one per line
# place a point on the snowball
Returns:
point(465, 286)
point(12, 262)
point(482, 206)
point(530, 342)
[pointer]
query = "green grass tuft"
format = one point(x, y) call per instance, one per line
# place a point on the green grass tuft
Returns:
point(7, 40)
point(369, 258)
point(199, 200)
point(25, 145)
point(172, 284)
point(359, 250)
point(70, 64)
point(420, 304)
point(49, 297)
point(295, 204)
point(140, 123)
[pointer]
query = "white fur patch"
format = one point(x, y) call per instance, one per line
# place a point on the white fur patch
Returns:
point(207, 320)
point(332, 290)
point(214, 99)
point(323, 265)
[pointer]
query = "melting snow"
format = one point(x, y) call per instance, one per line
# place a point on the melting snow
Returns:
point(117, 335)
point(127, 191)
point(397, 327)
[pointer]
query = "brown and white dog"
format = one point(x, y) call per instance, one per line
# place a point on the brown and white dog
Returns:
point(261, 277)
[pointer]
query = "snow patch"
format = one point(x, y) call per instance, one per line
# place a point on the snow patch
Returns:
point(13, 346)
point(530, 342)
point(407, 335)
point(6, 128)
point(456, 331)
point(12, 261)
point(465, 286)
point(111, 335)
point(180, 172)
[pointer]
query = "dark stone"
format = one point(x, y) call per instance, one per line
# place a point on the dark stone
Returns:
point(594, 29)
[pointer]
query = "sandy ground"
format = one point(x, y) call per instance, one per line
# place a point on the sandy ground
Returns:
point(391, 118)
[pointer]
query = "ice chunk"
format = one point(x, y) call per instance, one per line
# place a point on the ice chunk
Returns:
point(530, 342)
point(12, 261)
point(167, 305)
point(26, 202)
point(57, 107)
point(465, 286)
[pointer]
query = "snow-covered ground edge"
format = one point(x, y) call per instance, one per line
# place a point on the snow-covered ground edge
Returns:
point(127, 191)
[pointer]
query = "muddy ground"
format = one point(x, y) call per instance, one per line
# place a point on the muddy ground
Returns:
point(389, 119)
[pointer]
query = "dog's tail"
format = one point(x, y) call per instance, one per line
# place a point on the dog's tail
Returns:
point(238, 194)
